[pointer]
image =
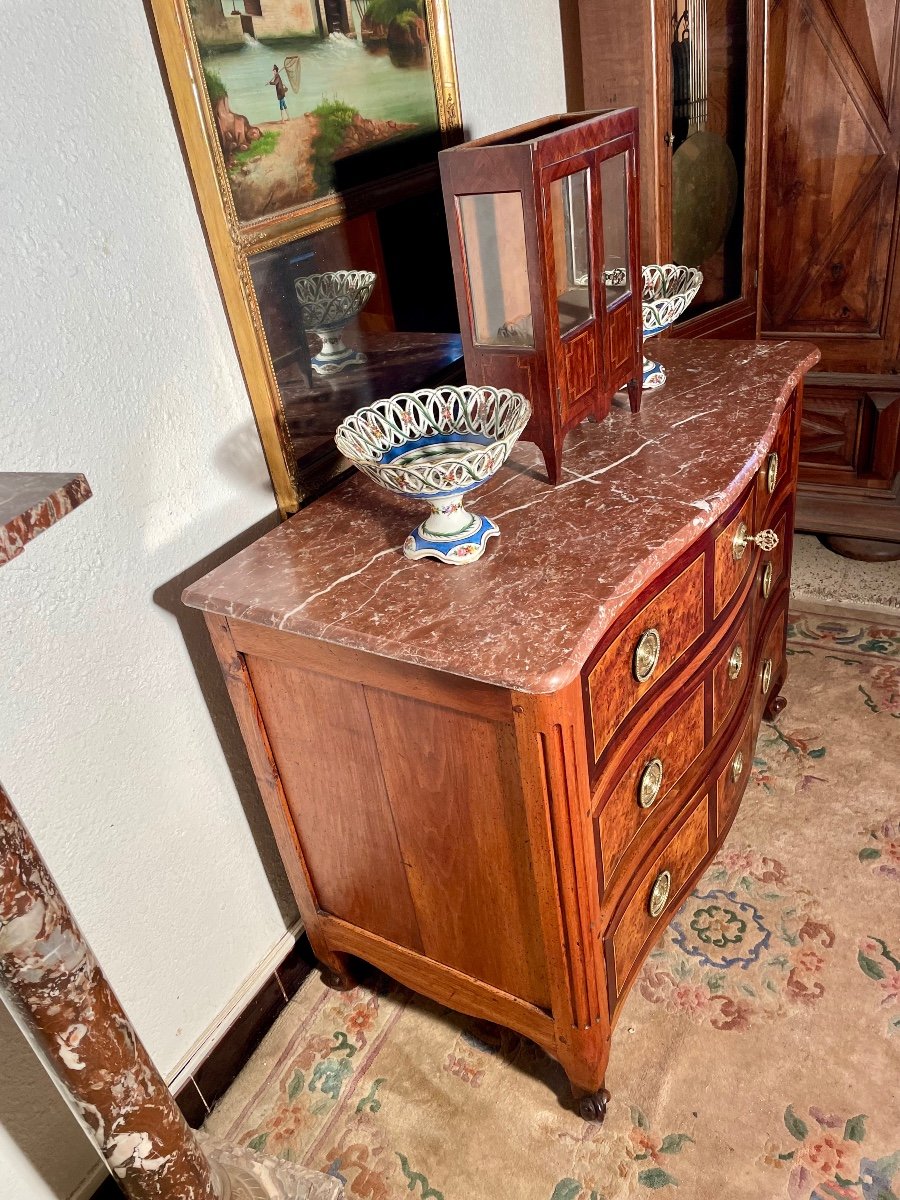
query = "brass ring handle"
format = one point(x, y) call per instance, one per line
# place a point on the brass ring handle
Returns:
point(766, 539)
point(646, 655)
point(659, 895)
point(735, 662)
point(771, 471)
point(766, 675)
point(650, 783)
point(737, 766)
point(768, 575)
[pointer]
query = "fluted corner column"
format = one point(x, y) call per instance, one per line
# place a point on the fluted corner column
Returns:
point(51, 978)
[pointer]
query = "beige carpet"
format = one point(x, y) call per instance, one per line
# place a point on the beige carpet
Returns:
point(757, 1057)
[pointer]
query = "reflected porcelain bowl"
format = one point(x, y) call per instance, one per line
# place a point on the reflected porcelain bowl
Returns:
point(328, 301)
point(437, 444)
point(668, 290)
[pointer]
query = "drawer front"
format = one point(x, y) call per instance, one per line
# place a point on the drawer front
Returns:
point(770, 571)
point(731, 669)
point(773, 478)
point(731, 567)
point(657, 768)
point(644, 651)
point(656, 896)
point(735, 772)
point(770, 664)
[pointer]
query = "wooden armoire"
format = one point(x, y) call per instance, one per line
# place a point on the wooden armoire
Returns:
point(830, 249)
point(805, 93)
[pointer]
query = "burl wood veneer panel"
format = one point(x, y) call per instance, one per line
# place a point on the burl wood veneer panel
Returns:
point(456, 804)
point(322, 740)
point(677, 742)
point(728, 683)
point(730, 571)
point(731, 783)
point(681, 856)
point(677, 615)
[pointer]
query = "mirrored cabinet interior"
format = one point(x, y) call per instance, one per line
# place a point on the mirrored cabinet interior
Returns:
point(544, 235)
point(694, 70)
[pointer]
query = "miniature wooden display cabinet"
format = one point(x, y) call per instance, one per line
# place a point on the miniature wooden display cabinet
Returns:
point(544, 232)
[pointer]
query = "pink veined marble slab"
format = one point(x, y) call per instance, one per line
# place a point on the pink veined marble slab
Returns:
point(636, 490)
point(31, 502)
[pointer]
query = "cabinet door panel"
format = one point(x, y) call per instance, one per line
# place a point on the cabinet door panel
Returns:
point(832, 178)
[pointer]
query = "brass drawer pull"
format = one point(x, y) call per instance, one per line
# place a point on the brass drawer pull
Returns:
point(766, 539)
point(735, 662)
point(766, 675)
point(737, 767)
point(768, 576)
point(646, 655)
point(650, 783)
point(771, 471)
point(659, 896)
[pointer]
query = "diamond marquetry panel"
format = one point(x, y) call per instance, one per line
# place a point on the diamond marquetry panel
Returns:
point(581, 366)
point(828, 429)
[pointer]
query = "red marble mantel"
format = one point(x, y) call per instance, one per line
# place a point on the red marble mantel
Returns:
point(636, 489)
point(31, 502)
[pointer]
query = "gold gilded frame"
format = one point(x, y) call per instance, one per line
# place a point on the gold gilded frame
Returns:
point(232, 241)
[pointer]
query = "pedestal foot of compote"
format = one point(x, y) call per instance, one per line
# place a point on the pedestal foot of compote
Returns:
point(654, 374)
point(333, 364)
point(466, 546)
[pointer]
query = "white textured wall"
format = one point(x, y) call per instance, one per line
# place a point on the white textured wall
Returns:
point(510, 62)
point(117, 361)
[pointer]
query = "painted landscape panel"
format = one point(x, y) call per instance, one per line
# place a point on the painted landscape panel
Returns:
point(313, 96)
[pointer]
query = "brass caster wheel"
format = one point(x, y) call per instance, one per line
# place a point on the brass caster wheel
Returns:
point(593, 1108)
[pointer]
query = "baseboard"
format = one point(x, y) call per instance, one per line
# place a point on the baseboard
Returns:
point(217, 1057)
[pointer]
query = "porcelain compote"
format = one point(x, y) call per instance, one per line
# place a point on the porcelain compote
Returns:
point(667, 291)
point(328, 302)
point(436, 445)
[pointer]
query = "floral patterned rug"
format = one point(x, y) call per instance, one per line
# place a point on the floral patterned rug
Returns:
point(758, 1056)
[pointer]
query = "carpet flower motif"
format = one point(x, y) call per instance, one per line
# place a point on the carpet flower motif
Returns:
point(882, 965)
point(828, 1163)
point(882, 849)
point(741, 952)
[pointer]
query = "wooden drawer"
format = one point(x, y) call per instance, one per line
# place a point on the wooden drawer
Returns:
point(769, 579)
point(631, 933)
point(770, 663)
point(731, 668)
point(735, 772)
point(657, 767)
point(730, 569)
point(774, 476)
point(668, 625)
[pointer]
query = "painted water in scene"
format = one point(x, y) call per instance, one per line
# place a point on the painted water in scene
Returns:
point(298, 85)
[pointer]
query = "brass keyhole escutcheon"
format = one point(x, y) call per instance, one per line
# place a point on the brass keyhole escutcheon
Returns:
point(650, 783)
point(735, 662)
point(766, 675)
point(772, 471)
point(660, 894)
point(766, 539)
point(737, 767)
point(646, 655)
point(768, 575)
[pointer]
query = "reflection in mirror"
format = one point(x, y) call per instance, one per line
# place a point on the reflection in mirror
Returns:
point(571, 249)
point(344, 327)
point(709, 83)
point(616, 252)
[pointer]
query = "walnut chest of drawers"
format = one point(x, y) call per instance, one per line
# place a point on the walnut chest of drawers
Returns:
point(497, 782)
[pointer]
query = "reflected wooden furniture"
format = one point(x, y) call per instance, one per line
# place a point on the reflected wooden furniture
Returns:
point(832, 228)
point(558, 736)
point(543, 225)
point(622, 53)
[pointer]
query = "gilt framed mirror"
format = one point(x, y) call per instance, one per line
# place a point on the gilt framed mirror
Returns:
point(311, 130)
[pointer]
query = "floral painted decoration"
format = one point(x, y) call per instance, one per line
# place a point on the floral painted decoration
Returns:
point(829, 1163)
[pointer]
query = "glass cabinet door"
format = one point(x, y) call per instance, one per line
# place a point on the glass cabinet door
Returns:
point(569, 211)
point(493, 234)
point(709, 49)
point(616, 246)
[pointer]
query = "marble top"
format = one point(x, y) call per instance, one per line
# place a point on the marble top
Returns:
point(31, 502)
point(635, 491)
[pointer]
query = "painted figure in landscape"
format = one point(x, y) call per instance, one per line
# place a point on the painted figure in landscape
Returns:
point(359, 73)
